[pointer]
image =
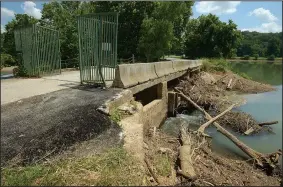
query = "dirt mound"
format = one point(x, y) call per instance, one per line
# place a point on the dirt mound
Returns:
point(240, 84)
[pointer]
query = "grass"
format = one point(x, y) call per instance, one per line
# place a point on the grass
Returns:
point(220, 65)
point(117, 115)
point(213, 65)
point(162, 162)
point(114, 167)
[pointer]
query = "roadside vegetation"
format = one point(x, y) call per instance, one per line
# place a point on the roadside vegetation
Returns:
point(114, 167)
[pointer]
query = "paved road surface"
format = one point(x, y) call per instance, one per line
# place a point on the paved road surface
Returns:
point(16, 89)
point(52, 122)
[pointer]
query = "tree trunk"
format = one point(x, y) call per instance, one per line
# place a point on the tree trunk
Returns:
point(266, 161)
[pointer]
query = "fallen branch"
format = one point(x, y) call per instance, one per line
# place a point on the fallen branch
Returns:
point(151, 171)
point(268, 123)
point(202, 127)
point(265, 161)
point(260, 125)
point(185, 155)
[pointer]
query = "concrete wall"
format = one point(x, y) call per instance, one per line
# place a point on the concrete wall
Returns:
point(154, 113)
point(129, 75)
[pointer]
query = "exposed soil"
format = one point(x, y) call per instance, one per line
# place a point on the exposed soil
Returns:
point(211, 168)
point(210, 91)
point(35, 128)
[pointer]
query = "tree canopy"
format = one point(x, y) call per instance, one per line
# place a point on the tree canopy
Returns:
point(150, 30)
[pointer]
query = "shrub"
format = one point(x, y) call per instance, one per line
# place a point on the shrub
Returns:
point(246, 57)
point(7, 60)
point(271, 57)
point(256, 56)
point(215, 65)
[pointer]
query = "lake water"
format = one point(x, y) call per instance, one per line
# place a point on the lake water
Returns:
point(263, 107)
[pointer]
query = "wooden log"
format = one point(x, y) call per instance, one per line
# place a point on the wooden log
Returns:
point(268, 123)
point(251, 130)
point(266, 161)
point(185, 151)
point(205, 125)
point(229, 84)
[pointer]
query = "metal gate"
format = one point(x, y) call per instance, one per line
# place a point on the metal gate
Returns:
point(98, 47)
point(40, 50)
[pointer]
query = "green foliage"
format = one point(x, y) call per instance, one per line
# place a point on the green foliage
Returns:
point(155, 40)
point(208, 37)
point(116, 115)
point(211, 65)
point(244, 75)
point(162, 163)
point(20, 20)
point(114, 167)
point(246, 57)
point(7, 60)
point(271, 57)
point(163, 31)
point(256, 56)
point(263, 44)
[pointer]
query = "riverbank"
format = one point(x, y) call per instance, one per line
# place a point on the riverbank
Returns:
point(116, 167)
point(276, 61)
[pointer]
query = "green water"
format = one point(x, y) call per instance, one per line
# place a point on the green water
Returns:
point(263, 107)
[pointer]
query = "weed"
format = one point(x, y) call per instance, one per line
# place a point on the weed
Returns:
point(115, 115)
point(163, 164)
point(211, 65)
point(114, 167)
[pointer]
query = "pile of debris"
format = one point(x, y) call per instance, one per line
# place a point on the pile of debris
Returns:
point(215, 92)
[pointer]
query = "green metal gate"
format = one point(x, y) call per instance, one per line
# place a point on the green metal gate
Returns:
point(40, 50)
point(98, 47)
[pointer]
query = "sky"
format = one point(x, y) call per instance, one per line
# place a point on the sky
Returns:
point(261, 16)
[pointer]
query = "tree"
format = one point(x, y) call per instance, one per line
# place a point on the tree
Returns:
point(257, 43)
point(273, 47)
point(164, 29)
point(131, 16)
point(62, 16)
point(20, 20)
point(208, 37)
point(155, 38)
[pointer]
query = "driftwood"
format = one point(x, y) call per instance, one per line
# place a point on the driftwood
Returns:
point(268, 123)
point(260, 125)
point(185, 156)
point(202, 127)
point(229, 84)
point(265, 161)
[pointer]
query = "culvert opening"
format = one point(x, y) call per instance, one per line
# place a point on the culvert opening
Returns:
point(149, 94)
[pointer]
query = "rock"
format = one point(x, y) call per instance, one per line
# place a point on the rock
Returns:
point(127, 108)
